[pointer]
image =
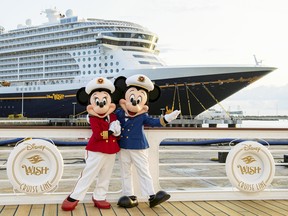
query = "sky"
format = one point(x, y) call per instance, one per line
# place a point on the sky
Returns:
point(193, 32)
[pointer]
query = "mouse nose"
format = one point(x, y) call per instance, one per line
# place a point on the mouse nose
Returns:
point(134, 103)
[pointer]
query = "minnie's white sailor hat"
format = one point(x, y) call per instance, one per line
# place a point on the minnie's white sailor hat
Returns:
point(140, 80)
point(99, 83)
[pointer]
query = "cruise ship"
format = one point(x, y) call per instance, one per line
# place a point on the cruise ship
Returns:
point(42, 67)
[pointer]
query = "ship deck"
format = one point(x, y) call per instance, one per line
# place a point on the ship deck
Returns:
point(256, 207)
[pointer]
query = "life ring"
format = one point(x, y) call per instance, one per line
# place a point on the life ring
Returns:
point(250, 166)
point(35, 166)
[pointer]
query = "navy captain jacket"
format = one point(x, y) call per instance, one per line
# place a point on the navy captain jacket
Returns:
point(132, 129)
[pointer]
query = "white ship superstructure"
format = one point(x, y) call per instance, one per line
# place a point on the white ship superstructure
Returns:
point(66, 50)
point(48, 63)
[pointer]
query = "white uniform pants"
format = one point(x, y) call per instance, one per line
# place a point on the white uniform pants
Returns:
point(140, 159)
point(97, 164)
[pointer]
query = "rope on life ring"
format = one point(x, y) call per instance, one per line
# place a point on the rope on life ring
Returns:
point(250, 166)
point(35, 166)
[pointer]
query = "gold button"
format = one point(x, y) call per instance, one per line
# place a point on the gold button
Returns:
point(128, 129)
point(126, 137)
point(123, 129)
point(106, 140)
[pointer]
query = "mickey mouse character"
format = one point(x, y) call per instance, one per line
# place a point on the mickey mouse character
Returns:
point(102, 146)
point(137, 90)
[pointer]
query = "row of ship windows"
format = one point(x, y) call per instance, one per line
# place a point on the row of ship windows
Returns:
point(89, 52)
point(37, 65)
point(38, 35)
point(35, 58)
point(100, 64)
point(40, 53)
point(101, 71)
point(61, 60)
point(46, 43)
point(6, 107)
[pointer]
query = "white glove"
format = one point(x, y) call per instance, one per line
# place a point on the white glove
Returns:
point(115, 128)
point(171, 116)
point(88, 119)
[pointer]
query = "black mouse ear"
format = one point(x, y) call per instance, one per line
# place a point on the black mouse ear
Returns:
point(120, 88)
point(120, 83)
point(82, 96)
point(155, 94)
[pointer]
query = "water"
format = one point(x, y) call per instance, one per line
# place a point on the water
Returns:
point(283, 123)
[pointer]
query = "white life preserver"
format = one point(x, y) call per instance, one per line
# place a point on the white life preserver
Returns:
point(250, 166)
point(35, 166)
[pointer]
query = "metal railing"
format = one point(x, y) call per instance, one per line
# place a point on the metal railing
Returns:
point(186, 172)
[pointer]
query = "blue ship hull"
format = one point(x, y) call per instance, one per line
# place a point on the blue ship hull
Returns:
point(201, 92)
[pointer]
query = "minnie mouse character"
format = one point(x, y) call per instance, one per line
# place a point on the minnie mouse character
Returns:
point(137, 90)
point(102, 146)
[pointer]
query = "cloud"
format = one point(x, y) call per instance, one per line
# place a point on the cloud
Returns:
point(262, 100)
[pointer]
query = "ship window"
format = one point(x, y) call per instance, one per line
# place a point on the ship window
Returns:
point(117, 63)
point(74, 54)
point(95, 65)
point(84, 66)
point(95, 58)
point(117, 70)
point(79, 53)
point(105, 57)
point(100, 71)
point(111, 70)
point(89, 59)
point(111, 56)
point(94, 51)
point(84, 59)
point(99, 64)
point(111, 63)
point(89, 72)
point(89, 52)
point(94, 72)
point(106, 71)
point(84, 53)
point(79, 60)
point(106, 64)
point(89, 65)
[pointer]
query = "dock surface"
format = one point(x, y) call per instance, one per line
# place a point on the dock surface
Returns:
point(256, 207)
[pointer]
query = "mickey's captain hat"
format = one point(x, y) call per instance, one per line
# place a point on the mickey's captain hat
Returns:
point(140, 80)
point(99, 83)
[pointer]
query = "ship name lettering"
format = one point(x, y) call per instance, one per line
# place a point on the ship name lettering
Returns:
point(56, 96)
point(249, 170)
point(32, 170)
point(46, 186)
point(34, 146)
point(246, 186)
point(29, 188)
point(250, 148)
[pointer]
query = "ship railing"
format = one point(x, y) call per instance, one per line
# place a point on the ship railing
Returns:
point(188, 172)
